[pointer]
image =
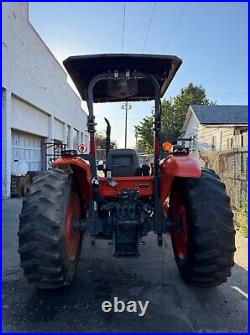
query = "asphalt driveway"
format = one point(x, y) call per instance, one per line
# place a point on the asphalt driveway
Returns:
point(173, 306)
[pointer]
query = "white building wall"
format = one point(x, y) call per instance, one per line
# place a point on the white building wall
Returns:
point(58, 130)
point(27, 118)
point(6, 142)
point(191, 131)
point(40, 100)
point(192, 127)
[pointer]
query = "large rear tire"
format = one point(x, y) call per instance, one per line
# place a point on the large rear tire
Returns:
point(49, 243)
point(204, 244)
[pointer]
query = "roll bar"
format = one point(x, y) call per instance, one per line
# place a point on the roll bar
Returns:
point(91, 117)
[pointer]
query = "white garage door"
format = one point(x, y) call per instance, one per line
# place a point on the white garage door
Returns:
point(26, 148)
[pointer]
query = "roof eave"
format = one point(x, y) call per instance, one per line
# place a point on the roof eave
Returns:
point(224, 124)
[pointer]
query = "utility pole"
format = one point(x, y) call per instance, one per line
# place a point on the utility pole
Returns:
point(127, 107)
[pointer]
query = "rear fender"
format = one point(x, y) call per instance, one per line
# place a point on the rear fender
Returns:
point(81, 171)
point(177, 166)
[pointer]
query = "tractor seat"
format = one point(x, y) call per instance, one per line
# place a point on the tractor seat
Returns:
point(123, 163)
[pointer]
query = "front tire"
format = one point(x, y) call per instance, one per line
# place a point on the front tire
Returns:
point(49, 245)
point(204, 243)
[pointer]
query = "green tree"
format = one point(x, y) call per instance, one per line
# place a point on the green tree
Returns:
point(243, 216)
point(144, 133)
point(190, 95)
point(174, 111)
point(100, 141)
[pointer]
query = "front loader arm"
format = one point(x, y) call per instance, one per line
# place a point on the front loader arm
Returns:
point(177, 166)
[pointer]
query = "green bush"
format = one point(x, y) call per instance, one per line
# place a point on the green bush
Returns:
point(243, 217)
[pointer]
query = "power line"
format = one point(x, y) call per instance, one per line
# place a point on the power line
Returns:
point(123, 25)
point(149, 26)
point(176, 25)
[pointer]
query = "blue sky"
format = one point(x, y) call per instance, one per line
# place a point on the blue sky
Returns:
point(211, 38)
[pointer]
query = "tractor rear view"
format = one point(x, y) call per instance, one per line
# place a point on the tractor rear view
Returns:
point(173, 195)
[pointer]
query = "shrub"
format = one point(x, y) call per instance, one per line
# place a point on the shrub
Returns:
point(243, 217)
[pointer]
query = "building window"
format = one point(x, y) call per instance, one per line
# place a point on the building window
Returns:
point(231, 143)
point(241, 140)
point(221, 138)
point(68, 137)
point(236, 141)
point(214, 144)
point(75, 139)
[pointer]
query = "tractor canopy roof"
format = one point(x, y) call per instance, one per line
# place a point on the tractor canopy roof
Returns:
point(127, 86)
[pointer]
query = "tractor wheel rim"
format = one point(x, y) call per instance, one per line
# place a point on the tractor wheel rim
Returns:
point(180, 234)
point(72, 234)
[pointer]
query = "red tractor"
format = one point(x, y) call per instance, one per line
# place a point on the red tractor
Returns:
point(173, 195)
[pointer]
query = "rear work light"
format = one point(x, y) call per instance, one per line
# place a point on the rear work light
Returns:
point(167, 146)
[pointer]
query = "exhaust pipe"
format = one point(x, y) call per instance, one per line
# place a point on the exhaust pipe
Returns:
point(108, 132)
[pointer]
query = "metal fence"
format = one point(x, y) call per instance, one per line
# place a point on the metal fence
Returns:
point(232, 167)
